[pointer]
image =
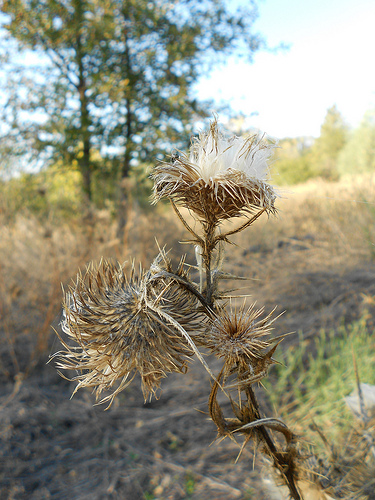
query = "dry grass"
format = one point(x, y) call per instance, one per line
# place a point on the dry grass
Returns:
point(315, 260)
point(36, 258)
point(338, 216)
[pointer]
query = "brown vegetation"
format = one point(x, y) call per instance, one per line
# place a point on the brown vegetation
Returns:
point(315, 261)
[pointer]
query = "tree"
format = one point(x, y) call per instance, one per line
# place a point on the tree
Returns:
point(358, 155)
point(293, 161)
point(326, 148)
point(118, 76)
point(50, 99)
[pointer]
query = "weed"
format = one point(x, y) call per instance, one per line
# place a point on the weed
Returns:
point(148, 496)
point(35, 257)
point(189, 484)
point(150, 323)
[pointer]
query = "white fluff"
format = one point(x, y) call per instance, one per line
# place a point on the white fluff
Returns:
point(213, 154)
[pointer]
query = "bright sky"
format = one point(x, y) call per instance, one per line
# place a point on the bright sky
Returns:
point(331, 60)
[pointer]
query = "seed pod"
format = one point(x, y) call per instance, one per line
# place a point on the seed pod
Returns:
point(242, 339)
point(123, 325)
point(221, 177)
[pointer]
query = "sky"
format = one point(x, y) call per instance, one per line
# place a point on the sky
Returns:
point(330, 61)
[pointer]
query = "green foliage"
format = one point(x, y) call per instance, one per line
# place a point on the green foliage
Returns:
point(250, 494)
point(57, 191)
point(142, 186)
point(26, 193)
point(104, 182)
point(358, 155)
point(189, 484)
point(311, 386)
point(51, 192)
point(63, 190)
point(114, 77)
point(148, 496)
point(367, 226)
point(292, 162)
point(301, 159)
point(327, 147)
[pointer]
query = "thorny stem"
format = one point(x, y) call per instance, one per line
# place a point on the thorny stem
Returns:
point(209, 242)
point(281, 462)
point(209, 245)
point(188, 286)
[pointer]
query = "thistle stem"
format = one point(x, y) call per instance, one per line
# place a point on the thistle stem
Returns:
point(209, 245)
point(283, 462)
point(186, 284)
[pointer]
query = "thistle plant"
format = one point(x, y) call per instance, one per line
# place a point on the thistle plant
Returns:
point(153, 322)
point(124, 325)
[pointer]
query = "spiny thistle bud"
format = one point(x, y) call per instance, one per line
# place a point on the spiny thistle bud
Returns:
point(221, 177)
point(126, 325)
point(240, 337)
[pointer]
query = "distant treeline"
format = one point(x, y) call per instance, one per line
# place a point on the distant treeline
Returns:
point(58, 188)
point(337, 152)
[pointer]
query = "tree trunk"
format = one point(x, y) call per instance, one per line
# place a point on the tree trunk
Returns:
point(124, 205)
point(84, 132)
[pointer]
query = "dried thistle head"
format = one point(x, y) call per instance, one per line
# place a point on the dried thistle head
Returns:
point(123, 325)
point(241, 337)
point(221, 177)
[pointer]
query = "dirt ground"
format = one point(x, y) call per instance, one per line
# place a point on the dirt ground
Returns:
point(54, 447)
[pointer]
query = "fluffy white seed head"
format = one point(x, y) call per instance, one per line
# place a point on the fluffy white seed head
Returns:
point(214, 154)
point(220, 178)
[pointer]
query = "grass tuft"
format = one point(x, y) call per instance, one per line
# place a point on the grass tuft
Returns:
point(315, 377)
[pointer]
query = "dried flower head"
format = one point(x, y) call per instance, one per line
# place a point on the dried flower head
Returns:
point(241, 337)
point(126, 325)
point(220, 178)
